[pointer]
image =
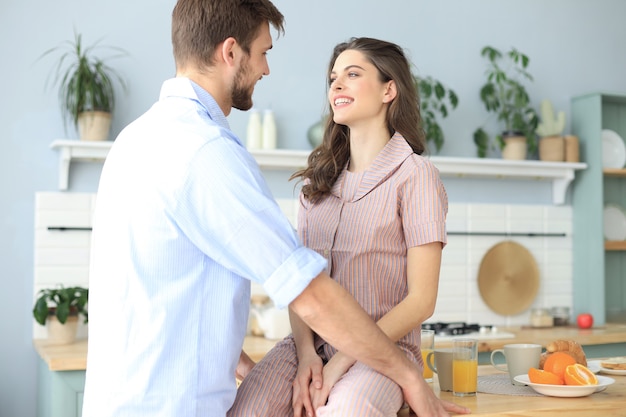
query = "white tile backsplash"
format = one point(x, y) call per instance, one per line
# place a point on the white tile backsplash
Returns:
point(63, 257)
point(553, 255)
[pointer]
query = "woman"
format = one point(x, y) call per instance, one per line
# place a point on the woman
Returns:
point(375, 209)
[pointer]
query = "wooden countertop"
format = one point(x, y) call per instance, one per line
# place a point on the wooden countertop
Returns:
point(609, 403)
point(74, 356)
point(609, 333)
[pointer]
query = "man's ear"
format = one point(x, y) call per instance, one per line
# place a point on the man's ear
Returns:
point(229, 51)
point(390, 92)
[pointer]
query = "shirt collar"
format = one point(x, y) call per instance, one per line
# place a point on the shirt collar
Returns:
point(184, 87)
point(395, 152)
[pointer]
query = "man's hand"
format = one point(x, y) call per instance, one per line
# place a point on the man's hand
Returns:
point(425, 403)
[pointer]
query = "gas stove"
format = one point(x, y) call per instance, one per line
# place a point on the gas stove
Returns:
point(457, 330)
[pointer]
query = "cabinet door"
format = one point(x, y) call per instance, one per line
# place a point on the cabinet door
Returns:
point(614, 191)
point(60, 392)
point(587, 197)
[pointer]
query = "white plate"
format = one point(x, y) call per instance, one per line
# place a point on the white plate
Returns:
point(605, 370)
point(567, 390)
point(594, 366)
point(614, 221)
point(613, 150)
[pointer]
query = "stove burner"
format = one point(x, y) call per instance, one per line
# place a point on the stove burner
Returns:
point(457, 328)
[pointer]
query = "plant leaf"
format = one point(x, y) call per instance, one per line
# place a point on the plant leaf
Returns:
point(40, 311)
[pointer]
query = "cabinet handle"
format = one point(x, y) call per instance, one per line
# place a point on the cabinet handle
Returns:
point(507, 234)
point(64, 228)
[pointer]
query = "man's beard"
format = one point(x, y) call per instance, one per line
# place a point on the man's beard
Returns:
point(241, 95)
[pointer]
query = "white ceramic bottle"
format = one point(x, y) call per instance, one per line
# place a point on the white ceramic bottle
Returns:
point(254, 133)
point(269, 130)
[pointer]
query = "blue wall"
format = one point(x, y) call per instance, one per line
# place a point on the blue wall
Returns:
point(575, 46)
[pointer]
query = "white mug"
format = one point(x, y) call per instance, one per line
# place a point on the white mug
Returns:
point(520, 357)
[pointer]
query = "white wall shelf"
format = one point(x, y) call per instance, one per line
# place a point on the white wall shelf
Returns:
point(77, 150)
point(561, 174)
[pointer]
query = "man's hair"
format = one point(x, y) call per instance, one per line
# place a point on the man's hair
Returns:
point(199, 26)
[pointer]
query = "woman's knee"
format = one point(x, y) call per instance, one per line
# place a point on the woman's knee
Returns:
point(363, 392)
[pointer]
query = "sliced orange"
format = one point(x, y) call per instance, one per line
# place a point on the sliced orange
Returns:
point(538, 376)
point(578, 374)
point(557, 362)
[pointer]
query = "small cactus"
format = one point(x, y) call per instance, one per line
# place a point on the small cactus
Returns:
point(549, 125)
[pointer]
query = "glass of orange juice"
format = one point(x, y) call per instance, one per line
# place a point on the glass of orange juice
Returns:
point(427, 346)
point(465, 367)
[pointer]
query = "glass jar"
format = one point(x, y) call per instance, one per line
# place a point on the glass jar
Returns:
point(541, 317)
point(259, 303)
point(561, 316)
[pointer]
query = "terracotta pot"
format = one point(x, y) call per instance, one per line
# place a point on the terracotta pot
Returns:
point(572, 149)
point(552, 148)
point(62, 334)
point(515, 148)
point(94, 125)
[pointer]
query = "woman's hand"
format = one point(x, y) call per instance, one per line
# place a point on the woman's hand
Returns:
point(244, 366)
point(309, 374)
point(333, 371)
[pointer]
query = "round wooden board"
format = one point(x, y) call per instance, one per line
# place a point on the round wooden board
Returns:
point(508, 278)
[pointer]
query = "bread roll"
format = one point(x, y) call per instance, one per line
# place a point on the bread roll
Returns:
point(570, 347)
point(618, 363)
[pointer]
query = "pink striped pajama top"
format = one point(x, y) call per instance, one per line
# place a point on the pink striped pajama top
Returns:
point(366, 225)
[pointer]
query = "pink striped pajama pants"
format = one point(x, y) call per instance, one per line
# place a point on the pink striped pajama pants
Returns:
point(267, 390)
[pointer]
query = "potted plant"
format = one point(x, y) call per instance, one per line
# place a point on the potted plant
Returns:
point(504, 95)
point(435, 100)
point(59, 308)
point(86, 86)
point(550, 131)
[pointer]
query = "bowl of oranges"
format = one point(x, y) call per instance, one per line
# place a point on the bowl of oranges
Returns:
point(563, 376)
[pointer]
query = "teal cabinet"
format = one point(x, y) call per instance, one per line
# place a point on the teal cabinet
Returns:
point(60, 392)
point(599, 266)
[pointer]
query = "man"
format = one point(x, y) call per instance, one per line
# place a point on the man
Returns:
point(184, 221)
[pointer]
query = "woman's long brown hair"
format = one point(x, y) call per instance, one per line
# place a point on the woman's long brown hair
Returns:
point(326, 162)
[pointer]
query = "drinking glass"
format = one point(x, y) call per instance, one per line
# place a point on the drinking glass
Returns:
point(465, 367)
point(427, 346)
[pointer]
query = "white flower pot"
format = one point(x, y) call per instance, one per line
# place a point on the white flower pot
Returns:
point(94, 125)
point(515, 148)
point(62, 334)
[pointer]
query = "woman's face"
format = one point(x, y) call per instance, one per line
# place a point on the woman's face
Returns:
point(356, 93)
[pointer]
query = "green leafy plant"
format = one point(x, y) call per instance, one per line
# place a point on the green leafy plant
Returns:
point(85, 82)
point(436, 100)
point(61, 302)
point(504, 95)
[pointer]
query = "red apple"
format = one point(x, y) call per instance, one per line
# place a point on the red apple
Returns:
point(584, 320)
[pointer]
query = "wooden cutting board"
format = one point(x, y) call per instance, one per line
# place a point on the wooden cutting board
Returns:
point(508, 278)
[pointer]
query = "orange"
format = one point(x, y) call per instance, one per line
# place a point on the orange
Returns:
point(578, 374)
point(538, 376)
point(557, 362)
